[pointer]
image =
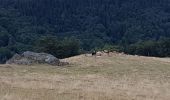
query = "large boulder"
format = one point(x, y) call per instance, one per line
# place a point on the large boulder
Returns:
point(28, 58)
point(18, 59)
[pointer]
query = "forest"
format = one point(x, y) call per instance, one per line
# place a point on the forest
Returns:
point(66, 28)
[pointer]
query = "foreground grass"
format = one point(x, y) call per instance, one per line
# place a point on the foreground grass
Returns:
point(119, 77)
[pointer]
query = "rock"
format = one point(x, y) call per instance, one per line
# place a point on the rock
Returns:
point(23, 62)
point(41, 57)
point(52, 60)
point(99, 53)
point(88, 55)
point(28, 58)
point(14, 59)
point(106, 51)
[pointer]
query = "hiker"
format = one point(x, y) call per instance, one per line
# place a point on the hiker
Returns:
point(94, 53)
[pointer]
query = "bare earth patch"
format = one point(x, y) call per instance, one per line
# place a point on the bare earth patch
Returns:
point(119, 77)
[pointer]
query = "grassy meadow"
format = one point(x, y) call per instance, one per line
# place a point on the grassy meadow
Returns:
point(117, 77)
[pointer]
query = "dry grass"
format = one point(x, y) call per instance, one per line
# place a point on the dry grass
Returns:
point(119, 77)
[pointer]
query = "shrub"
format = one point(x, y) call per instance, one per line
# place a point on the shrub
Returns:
point(5, 54)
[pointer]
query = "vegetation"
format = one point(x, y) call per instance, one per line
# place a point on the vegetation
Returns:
point(159, 48)
point(132, 26)
point(117, 77)
point(5, 54)
point(64, 48)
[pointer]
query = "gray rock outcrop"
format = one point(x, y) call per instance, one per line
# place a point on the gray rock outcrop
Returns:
point(28, 58)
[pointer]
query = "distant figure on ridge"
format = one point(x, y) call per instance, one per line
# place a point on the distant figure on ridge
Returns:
point(94, 53)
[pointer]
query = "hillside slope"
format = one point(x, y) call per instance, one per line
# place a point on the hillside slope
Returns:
point(118, 77)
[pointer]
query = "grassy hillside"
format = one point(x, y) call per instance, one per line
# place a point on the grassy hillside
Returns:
point(119, 77)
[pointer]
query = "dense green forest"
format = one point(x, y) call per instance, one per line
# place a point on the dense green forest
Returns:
point(68, 27)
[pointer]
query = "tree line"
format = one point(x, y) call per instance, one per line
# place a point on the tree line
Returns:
point(70, 27)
